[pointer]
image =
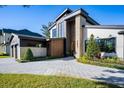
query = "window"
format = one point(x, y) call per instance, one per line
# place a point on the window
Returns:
point(54, 33)
point(106, 44)
point(61, 29)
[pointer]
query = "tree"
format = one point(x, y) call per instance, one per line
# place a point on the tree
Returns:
point(28, 55)
point(45, 30)
point(92, 48)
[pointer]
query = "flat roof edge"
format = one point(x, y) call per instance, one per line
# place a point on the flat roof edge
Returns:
point(105, 26)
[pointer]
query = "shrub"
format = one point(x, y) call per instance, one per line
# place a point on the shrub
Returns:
point(111, 59)
point(3, 54)
point(115, 58)
point(84, 59)
point(28, 55)
point(92, 48)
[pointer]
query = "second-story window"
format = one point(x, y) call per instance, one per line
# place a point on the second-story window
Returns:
point(61, 29)
point(54, 33)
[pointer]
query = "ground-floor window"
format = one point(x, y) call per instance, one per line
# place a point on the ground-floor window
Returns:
point(106, 44)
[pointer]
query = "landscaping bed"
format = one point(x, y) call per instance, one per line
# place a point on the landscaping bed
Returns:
point(4, 55)
point(101, 52)
point(40, 81)
point(38, 59)
point(106, 62)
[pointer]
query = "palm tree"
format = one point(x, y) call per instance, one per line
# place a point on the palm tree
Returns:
point(45, 30)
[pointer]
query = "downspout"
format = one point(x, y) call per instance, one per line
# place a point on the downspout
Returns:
point(123, 47)
point(122, 33)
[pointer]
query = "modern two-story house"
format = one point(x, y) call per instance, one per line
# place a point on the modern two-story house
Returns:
point(77, 26)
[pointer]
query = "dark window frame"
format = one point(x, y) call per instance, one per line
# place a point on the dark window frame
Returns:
point(105, 44)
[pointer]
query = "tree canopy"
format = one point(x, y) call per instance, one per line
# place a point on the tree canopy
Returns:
point(45, 30)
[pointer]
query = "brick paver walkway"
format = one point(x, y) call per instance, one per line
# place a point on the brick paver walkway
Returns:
point(65, 67)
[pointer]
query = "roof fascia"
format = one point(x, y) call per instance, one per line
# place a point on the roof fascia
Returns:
point(52, 26)
point(83, 13)
point(67, 9)
point(105, 26)
point(77, 12)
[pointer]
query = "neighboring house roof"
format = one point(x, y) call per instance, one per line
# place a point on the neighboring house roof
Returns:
point(23, 32)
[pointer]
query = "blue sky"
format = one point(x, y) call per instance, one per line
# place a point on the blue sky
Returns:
point(17, 17)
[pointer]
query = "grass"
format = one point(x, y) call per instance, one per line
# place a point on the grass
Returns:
point(4, 56)
point(40, 81)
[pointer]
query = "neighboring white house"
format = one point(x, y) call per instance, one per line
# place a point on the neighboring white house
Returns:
point(77, 26)
point(16, 42)
point(4, 41)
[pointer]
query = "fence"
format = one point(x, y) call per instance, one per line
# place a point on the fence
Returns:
point(37, 52)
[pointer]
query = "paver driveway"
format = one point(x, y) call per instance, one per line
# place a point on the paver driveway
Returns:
point(64, 66)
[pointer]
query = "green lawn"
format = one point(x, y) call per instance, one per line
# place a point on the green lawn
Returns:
point(4, 56)
point(40, 81)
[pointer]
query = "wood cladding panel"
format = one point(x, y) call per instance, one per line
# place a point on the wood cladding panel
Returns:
point(56, 48)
